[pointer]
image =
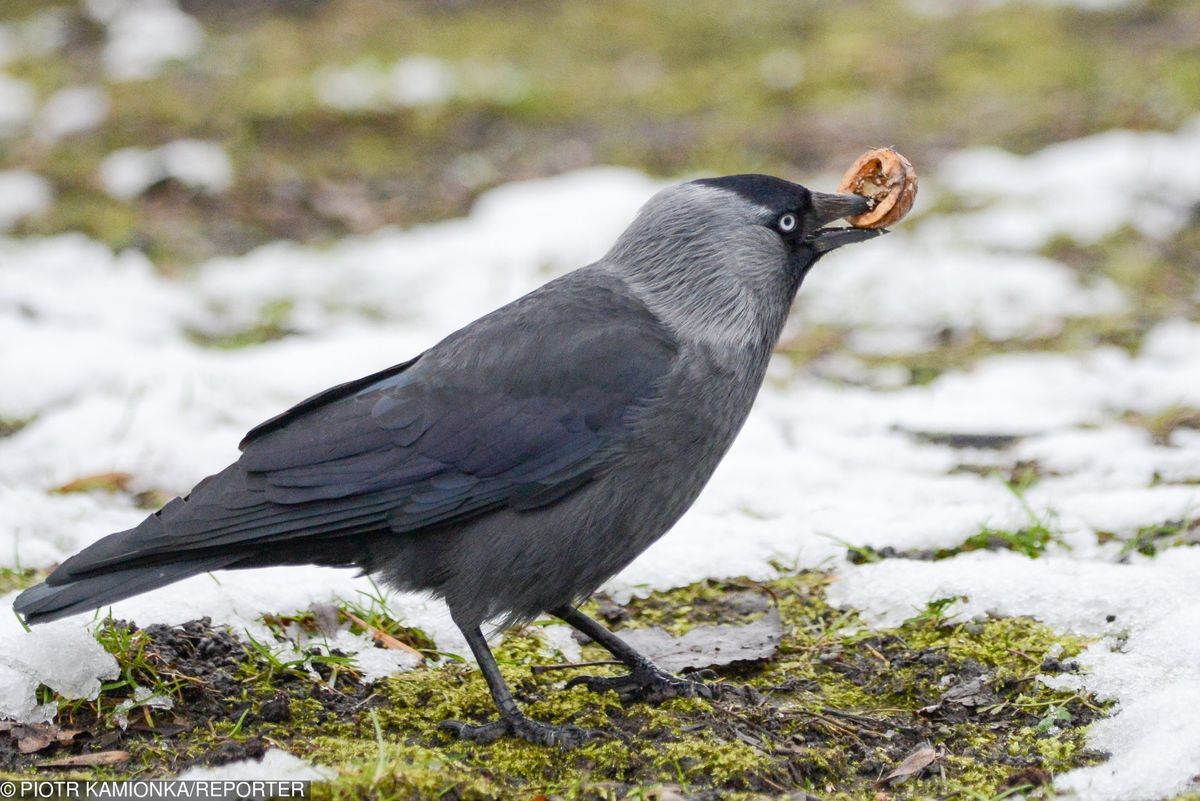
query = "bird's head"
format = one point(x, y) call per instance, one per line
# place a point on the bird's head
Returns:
point(796, 215)
point(739, 241)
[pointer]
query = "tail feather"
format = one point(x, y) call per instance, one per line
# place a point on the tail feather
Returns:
point(49, 601)
point(224, 523)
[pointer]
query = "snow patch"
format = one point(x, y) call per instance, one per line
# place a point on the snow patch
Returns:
point(39, 34)
point(142, 697)
point(22, 194)
point(144, 35)
point(18, 101)
point(204, 166)
point(276, 764)
point(415, 81)
point(420, 81)
point(62, 655)
point(912, 283)
point(1032, 199)
point(73, 110)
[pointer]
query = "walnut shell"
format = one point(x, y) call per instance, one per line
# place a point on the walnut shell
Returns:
point(885, 178)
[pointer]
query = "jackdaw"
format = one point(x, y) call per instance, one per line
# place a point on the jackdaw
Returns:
point(523, 460)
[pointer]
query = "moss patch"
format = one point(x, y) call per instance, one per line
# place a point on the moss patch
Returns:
point(9, 426)
point(1163, 424)
point(271, 325)
point(1032, 540)
point(16, 579)
point(1152, 539)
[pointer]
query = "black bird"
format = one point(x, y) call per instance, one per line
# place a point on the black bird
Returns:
point(523, 460)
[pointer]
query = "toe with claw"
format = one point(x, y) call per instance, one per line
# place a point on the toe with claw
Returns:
point(656, 686)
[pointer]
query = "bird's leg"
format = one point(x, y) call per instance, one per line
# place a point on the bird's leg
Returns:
point(512, 721)
point(645, 681)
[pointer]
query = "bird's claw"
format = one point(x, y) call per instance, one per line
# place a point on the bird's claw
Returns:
point(627, 687)
point(656, 686)
point(564, 737)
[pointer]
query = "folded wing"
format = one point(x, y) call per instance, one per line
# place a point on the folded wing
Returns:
point(517, 410)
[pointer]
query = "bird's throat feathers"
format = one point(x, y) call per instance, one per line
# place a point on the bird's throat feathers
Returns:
point(710, 276)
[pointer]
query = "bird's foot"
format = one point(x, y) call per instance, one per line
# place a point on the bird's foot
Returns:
point(564, 737)
point(654, 686)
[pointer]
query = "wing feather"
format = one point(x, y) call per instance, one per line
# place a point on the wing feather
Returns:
point(520, 409)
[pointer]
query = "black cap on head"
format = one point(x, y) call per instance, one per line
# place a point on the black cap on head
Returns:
point(778, 195)
point(817, 209)
point(764, 190)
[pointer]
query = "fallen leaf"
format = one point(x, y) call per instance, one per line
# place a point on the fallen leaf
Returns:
point(88, 760)
point(709, 646)
point(34, 737)
point(383, 638)
point(97, 482)
point(972, 692)
point(33, 743)
point(917, 760)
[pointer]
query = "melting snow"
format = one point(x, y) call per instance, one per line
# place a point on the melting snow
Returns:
point(22, 194)
point(62, 655)
point(142, 697)
point(415, 80)
point(144, 35)
point(17, 103)
point(275, 765)
point(128, 172)
point(1032, 199)
point(72, 110)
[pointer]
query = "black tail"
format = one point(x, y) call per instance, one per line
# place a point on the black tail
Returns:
point(178, 541)
point(50, 601)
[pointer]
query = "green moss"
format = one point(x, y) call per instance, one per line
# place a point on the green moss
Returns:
point(836, 707)
point(1163, 424)
point(1158, 275)
point(272, 325)
point(16, 579)
point(10, 426)
point(1150, 540)
point(1032, 540)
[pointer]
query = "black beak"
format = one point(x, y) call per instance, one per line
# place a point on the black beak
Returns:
point(827, 209)
point(828, 239)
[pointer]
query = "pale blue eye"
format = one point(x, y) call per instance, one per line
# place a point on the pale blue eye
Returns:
point(787, 223)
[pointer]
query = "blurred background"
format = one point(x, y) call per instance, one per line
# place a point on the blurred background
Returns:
point(314, 119)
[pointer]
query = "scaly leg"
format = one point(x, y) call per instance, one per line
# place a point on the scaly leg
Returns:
point(512, 721)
